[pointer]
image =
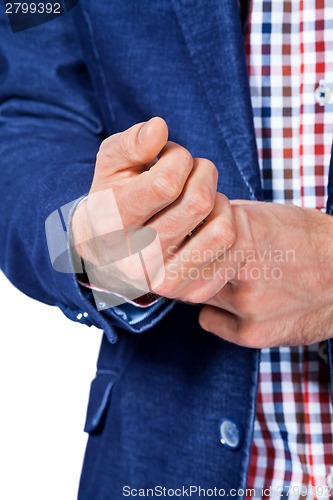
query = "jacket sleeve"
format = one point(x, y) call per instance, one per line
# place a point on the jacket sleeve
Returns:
point(50, 131)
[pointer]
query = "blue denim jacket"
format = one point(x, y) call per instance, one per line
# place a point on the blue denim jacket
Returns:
point(158, 398)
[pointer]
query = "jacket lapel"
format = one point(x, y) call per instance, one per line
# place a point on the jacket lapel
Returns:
point(213, 33)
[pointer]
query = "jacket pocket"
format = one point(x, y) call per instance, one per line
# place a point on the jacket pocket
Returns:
point(99, 399)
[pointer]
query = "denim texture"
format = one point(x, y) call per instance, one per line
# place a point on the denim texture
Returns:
point(158, 397)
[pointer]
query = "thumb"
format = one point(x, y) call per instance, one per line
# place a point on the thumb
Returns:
point(135, 147)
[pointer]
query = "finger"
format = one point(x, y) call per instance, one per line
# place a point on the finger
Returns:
point(126, 153)
point(251, 334)
point(220, 322)
point(230, 327)
point(195, 271)
point(215, 236)
point(153, 190)
point(193, 205)
point(232, 269)
point(215, 255)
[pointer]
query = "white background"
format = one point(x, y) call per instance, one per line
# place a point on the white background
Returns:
point(46, 365)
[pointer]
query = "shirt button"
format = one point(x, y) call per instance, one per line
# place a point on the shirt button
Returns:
point(329, 479)
point(322, 94)
point(231, 433)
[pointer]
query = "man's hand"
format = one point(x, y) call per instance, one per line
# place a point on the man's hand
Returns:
point(171, 195)
point(283, 295)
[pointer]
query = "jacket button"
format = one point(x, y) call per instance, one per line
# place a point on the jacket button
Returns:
point(231, 433)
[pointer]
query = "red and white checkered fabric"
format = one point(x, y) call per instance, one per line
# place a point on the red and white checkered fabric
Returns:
point(289, 47)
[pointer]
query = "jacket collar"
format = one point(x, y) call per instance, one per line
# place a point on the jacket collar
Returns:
point(213, 34)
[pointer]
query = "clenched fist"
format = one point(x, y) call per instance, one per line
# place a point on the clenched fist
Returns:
point(148, 195)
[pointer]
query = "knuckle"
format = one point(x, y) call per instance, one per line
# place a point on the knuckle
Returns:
point(179, 156)
point(246, 241)
point(223, 233)
point(179, 150)
point(209, 166)
point(199, 203)
point(224, 199)
point(185, 155)
point(166, 187)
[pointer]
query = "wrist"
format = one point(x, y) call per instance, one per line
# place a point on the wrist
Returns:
point(80, 230)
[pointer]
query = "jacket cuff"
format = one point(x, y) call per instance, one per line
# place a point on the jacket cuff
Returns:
point(79, 304)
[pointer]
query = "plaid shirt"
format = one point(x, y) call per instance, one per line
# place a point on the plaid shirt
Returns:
point(289, 46)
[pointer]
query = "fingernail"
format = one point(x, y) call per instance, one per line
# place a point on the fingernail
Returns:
point(142, 132)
